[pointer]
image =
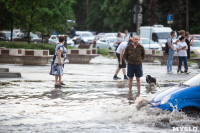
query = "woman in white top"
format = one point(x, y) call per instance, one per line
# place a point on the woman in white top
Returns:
point(119, 40)
point(182, 54)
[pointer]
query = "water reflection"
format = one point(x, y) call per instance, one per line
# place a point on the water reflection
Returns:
point(57, 93)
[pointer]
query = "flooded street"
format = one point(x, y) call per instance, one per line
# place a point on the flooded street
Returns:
point(91, 101)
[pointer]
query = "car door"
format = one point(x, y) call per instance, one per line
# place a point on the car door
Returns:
point(102, 43)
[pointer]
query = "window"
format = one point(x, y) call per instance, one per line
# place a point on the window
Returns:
point(196, 44)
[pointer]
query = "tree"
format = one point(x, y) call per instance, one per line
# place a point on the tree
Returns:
point(45, 15)
point(153, 12)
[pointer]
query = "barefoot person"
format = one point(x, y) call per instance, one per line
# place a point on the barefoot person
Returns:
point(122, 64)
point(134, 54)
point(58, 62)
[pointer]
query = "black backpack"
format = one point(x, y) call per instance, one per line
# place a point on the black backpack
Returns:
point(167, 46)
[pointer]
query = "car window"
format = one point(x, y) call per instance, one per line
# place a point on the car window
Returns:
point(102, 40)
point(53, 37)
point(147, 41)
point(86, 35)
point(8, 34)
point(2, 35)
point(196, 44)
point(34, 35)
point(113, 40)
point(163, 35)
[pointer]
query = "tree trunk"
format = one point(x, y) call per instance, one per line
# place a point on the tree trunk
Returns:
point(11, 29)
point(187, 15)
point(42, 38)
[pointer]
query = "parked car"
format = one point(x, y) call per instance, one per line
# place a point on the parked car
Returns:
point(195, 48)
point(35, 38)
point(54, 40)
point(195, 36)
point(149, 44)
point(183, 97)
point(106, 43)
point(6, 36)
point(97, 37)
point(83, 37)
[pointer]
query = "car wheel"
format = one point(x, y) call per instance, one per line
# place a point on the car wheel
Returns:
point(110, 48)
point(191, 111)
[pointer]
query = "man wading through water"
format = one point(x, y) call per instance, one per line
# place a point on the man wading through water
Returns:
point(134, 54)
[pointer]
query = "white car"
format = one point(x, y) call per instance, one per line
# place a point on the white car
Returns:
point(54, 40)
point(195, 48)
point(106, 43)
point(149, 44)
point(83, 37)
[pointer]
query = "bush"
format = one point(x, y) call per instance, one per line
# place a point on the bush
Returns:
point(24, 45)
point(103, 52)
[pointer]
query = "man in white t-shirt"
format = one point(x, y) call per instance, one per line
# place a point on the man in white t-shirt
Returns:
point(122, 64)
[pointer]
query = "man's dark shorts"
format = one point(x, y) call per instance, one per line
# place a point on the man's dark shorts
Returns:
point(134, 70)
point(123, 61)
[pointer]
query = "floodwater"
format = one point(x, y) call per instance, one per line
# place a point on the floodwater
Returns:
point(91, 102)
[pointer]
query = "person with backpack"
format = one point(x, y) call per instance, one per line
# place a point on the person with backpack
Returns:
point(170, 51)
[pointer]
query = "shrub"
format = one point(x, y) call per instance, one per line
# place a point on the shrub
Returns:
point(24, 45)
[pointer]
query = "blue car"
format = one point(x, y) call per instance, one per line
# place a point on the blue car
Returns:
point(186, 96)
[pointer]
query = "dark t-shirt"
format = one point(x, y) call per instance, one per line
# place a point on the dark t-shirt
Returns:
point(188, 50)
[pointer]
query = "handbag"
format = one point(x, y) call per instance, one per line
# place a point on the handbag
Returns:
point(57, 60)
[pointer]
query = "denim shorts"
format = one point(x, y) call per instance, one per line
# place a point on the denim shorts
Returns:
point(134, 70)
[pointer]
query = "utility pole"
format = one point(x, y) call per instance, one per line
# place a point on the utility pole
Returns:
point(139, 16)
point(187, 15)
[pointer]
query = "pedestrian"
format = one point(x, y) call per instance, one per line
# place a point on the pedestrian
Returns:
point(171, 52)
point(182, 34)
point(58, 62)
point(119, 40)
point(121, 61)
point(189, 43)
point(182, 54)
point(126, 37)
point(134, 54)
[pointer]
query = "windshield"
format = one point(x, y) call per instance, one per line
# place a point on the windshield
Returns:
point(163, 35)
point(196, 44)
point(34, 35)
point(147, 41)
point(113, 40)
point(8, 35)
point(195, 81)
point(111, 34)
point(86, 35)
